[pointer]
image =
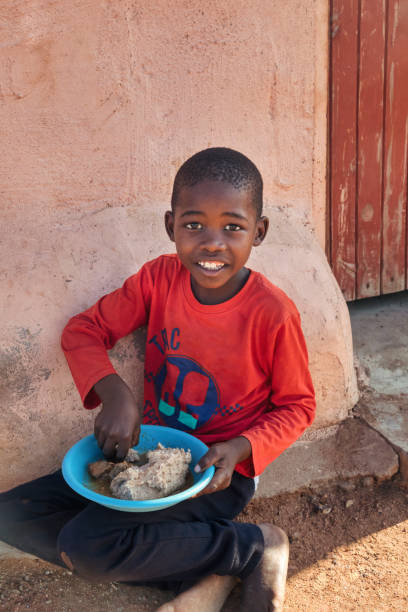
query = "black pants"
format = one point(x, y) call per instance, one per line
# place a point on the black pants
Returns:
point(175, 545)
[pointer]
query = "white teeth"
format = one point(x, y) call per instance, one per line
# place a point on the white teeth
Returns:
point(211, 265)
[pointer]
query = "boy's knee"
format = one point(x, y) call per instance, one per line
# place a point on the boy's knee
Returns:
point(79, 556)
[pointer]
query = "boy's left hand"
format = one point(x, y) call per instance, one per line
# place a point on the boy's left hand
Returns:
point(224, 456)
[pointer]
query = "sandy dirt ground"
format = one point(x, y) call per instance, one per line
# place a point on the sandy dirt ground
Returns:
point(349, 552)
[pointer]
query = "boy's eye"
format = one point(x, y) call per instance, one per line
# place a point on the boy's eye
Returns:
point(232, 227)
point(194, 225)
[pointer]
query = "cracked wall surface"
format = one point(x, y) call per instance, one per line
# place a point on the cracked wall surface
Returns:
point(101, 103)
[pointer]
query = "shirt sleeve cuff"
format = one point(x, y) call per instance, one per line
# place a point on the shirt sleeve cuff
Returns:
point(89, 397)
point(246, 467)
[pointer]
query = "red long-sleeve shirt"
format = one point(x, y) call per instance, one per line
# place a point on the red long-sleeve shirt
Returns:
point(215, 371)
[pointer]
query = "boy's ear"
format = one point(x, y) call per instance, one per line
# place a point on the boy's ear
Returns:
point(169, 224)
point(262, 226)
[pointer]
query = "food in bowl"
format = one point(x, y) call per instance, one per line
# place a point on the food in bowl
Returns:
point(76, 461)
point(156, 474)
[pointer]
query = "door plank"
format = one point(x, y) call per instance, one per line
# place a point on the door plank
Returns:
point(395, 150)
point(343, 112)
point(370, 147)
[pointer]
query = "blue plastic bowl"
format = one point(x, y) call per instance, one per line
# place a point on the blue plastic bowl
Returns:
point(75, 470)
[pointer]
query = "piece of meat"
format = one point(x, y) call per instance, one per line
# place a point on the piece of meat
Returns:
point(164, 473)
point(97, 469)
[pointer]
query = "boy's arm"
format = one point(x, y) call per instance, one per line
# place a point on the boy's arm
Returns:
point(89, 335)
point(85, 341)
point(292, 409)
point(292, 401)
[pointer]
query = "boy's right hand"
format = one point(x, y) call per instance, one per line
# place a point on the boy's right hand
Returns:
point(117, 426)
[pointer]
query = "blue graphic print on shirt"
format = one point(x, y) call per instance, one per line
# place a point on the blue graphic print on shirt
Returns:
point(172, 381)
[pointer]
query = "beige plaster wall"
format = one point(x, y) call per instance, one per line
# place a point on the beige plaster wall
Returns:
point(101, 102)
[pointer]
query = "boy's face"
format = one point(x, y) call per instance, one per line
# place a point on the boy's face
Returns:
point(215, 227)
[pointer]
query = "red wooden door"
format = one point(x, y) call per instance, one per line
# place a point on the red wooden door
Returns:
point(368, 146)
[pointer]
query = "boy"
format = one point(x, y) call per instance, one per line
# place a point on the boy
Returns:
point(226, 361)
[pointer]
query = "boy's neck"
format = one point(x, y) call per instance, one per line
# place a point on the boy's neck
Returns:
point(211, 297)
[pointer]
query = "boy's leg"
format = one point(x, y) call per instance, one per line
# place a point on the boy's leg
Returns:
point(263, 588)
point(33, 514)
point(183, 543)
point(208, 595)
point(266, 584)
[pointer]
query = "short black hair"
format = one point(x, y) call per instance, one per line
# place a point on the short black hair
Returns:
point(223, 165)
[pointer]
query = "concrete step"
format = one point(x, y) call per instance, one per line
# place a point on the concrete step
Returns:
point(9, 552)
point(349, 451)
point(389, 416)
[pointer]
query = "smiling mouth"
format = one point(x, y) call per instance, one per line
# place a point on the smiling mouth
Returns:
point(211, 266)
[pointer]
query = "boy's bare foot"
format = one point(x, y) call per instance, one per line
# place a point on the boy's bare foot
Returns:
point(266, 584)
point(208, 595)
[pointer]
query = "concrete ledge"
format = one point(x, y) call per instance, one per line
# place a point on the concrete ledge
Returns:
point(9, 552)
point(351, 451)
point(387, 414)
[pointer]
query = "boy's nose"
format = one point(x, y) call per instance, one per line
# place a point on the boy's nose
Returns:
point(213, 241)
